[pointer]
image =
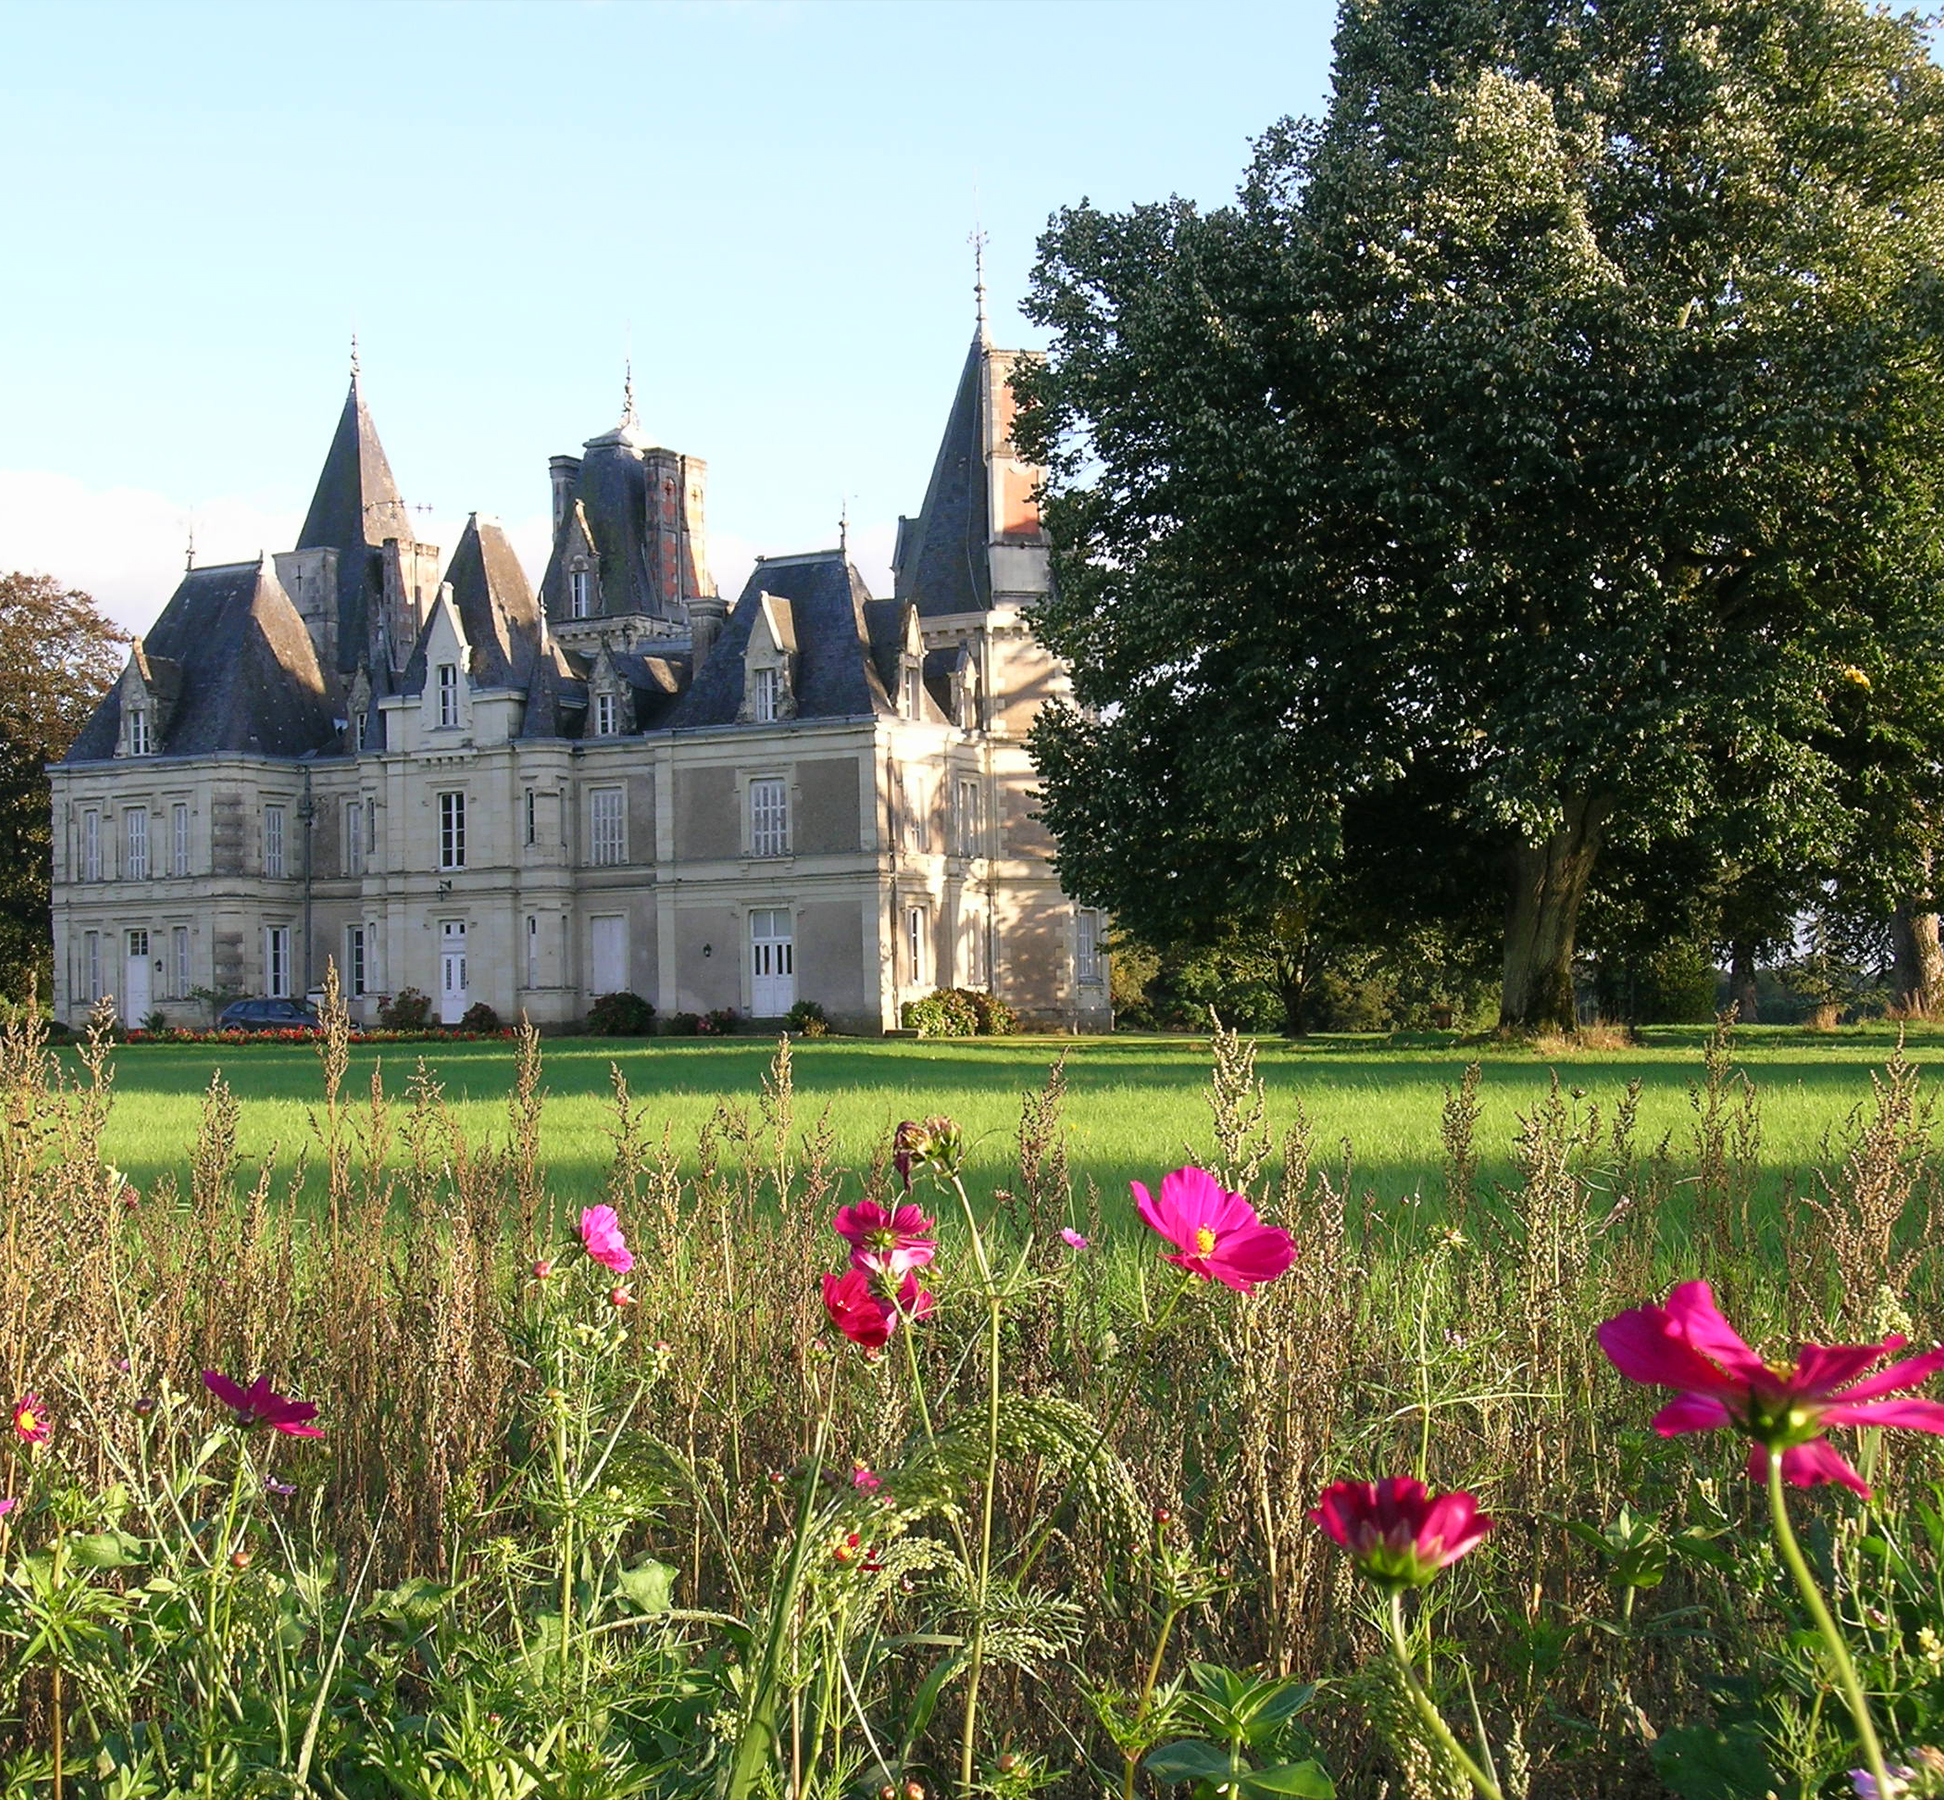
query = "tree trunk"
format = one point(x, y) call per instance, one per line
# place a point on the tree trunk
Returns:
point(1292, 988)
point(1917, 980)
point(1549, 881)
point(1741, 980)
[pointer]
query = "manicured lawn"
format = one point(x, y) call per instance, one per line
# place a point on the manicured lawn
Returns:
point(1135, 1107)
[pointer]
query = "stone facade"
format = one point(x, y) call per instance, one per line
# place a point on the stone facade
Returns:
point(619, 783)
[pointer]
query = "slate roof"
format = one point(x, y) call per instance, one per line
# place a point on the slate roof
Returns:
point(496, 608)
point(610, 502)
point(249, 678)
point(834, 677)
point(941, 559)
point(356, 507)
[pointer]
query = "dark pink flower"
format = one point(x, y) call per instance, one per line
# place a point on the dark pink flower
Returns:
point(7, 1506)
point(1071, 1238)
point(1688, 1346)
point(889, 1242)
point(1216, 1234)
point(256, 1405)
point(860, 1309)
point(1398, 1534)
point(30, 1420)
point(864, 1479)
point(601, 1233)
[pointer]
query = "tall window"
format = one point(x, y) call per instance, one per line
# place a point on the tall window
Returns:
point(968, 817)
point(354, 961)
point(914, 692)
point(448, 693)
point(917, 814)
point(141, 741)
point(533, 950)
point(976, 973)
point(179, 838)
point(915, 942)
point(91, 848)
point(91, 966)
point(607, 837)
point(769, 817)
point(276, 961)
point(179, 962)
point(765, 702)
point(604, 715)
point(577, 594)
point(1087, 946)
point(135, 828)
point(273, 842)
point(452, 831)
point(354, 837)
point(529, 816)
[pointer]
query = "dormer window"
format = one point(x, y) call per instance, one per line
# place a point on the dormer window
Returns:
point(604, 715)
point(141, 740)
point(448, 693)
point(766, 696)
point(579, 599)
point(914, 692)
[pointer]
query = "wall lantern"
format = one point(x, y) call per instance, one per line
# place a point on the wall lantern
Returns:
point(708, 949)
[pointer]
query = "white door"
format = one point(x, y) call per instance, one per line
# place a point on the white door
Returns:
point(136, 988)
point(772, 963)
point(607, 954)
point(452, 971)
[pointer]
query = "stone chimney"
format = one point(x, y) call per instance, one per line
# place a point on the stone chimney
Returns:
point(706, 613)
point(562, 471)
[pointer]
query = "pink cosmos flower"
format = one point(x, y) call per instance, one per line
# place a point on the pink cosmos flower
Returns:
point(601, 1233)
point(7, 1506)
point(864, 1480)
point(1397, 1533)
point(1072, 1239)
point(859, 1308)
point(1688, 1346)
point(256, 1405)
point(1216, 1234)
point(30, 1421)
point(891, 1242)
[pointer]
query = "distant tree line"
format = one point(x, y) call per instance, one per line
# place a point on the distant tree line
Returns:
point(1516, 518)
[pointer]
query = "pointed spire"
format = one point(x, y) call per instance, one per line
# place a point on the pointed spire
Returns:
point(354, 359)
point(978, 239)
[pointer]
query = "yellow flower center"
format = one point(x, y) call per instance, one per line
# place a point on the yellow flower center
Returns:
point(1204, 1241)
point(25, 1420)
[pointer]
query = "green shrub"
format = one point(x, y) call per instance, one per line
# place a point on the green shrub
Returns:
point(623, 1014)
point(406, 1010)
point(996, 1018)
point(808, 1019)
point(683, 1024)
point(719, 1023)
point(959, 1013)
point(480, 1017)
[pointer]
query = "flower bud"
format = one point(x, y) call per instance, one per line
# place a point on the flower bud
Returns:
point(241, 1558)
point(542, 1269)
point(620, 1297)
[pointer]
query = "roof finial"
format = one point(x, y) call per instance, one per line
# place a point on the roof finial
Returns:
point(978, 239)
point(189, 561)
point(627, 392)
point(843, 529)
point(354, 356)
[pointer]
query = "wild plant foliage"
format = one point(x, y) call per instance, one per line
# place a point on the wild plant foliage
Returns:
point(784, 1478)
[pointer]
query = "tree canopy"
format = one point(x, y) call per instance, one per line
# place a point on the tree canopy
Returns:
point(1541, 455)
point(60, 655)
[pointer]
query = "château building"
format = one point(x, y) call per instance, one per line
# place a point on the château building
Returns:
point(448, 782)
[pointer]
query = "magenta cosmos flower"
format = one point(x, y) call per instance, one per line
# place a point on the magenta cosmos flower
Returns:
point(256, 1405)
point(890, 1242)
point(30, 1420)
point(1720, 1382)
point(860, 1309)
point(1398, 1534)
point(1216, 1234)
point(601, 1233)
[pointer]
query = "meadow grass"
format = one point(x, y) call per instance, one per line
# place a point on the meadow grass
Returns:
point(1136, 1104)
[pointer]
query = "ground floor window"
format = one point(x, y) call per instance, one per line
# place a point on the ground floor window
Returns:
point(276, 961)
point(180, 980)
point(1087, 945)
point(91, 966)
point(915, 944)
point(354, 961)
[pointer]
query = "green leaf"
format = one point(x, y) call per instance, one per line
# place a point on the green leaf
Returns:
point(106, 1550)
point(1191, 1760)
point(1699, 1762)
point(650, 1585)
point(1306, 1780)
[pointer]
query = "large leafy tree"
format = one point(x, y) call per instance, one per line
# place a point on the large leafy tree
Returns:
point(1545, 446)
point(58, 654)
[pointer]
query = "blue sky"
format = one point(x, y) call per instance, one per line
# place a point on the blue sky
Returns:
point(769, 202)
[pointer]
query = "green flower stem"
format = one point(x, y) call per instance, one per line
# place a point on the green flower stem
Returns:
point(1427, 1708)
point(1132, 1762)
point(1038, 1546)
point(1839, 1656)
